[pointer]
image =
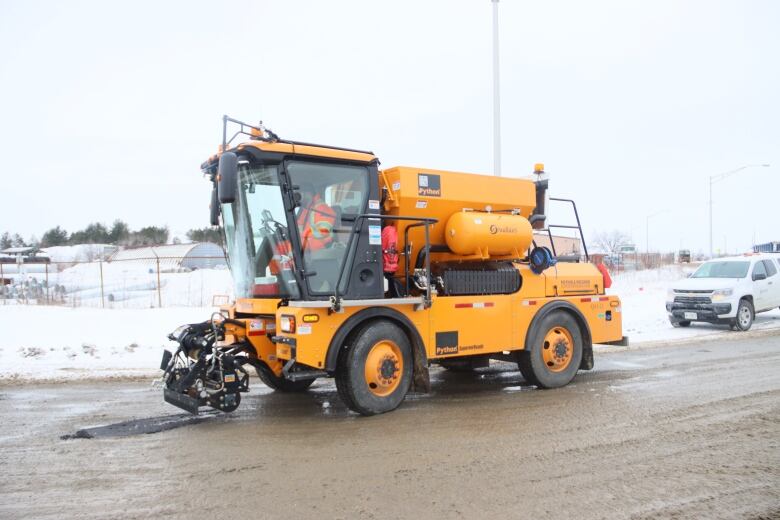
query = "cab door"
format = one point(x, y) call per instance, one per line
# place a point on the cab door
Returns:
point(762, 298)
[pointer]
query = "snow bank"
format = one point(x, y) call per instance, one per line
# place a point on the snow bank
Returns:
point(66, 343)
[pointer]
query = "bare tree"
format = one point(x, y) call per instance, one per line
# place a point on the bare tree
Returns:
point(611, 241)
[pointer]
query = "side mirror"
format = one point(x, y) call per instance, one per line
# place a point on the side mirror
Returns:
point(227, 175)
point(214, 207)
point(759, 276)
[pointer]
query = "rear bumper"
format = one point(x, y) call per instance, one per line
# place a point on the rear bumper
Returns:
point(709, 312)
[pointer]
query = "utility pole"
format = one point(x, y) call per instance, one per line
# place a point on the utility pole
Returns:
point(719, 177)
point(496, 97)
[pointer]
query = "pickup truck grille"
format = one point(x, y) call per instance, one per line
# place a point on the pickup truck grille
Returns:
point(692, 299)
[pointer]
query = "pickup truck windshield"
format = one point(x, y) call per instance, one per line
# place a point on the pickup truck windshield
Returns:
point(722, 270)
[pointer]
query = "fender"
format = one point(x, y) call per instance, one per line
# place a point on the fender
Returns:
point(420, 378)
point(587, 346)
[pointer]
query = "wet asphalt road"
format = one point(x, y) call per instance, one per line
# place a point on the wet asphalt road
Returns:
point(687, 431)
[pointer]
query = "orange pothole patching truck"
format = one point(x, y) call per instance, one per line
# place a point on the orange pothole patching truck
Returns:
point(345, 270)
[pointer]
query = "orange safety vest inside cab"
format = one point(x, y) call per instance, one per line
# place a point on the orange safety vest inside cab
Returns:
point(315, 223)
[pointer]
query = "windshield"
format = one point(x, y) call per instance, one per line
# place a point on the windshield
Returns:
point(256, 236)
point(331, 196)
point(722, 270)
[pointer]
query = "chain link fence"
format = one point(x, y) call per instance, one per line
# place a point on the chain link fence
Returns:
point(163, 281)
point(623, 262)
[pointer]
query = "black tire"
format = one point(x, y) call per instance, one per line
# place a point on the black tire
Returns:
point(280, 384)
point(532, 363)
point(745, 315)
point(351, 380)
point(681, 323)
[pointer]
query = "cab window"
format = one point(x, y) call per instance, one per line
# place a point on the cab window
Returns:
point(771, 270)
point(759, 269)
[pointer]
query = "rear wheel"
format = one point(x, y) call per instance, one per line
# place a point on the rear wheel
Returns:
point(375, 372)
point(745, 315)
point(554, 352)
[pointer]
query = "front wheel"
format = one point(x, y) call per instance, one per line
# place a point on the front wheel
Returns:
point(745, 315)
point(375, 372)
point(554, 352)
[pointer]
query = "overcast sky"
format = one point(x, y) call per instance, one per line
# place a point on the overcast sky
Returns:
point(108, 109)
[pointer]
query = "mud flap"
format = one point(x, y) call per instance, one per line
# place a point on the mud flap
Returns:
point(421, 378)
point(587, 358)
point(183, 401)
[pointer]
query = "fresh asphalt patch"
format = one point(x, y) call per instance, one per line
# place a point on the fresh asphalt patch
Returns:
point(142, 426)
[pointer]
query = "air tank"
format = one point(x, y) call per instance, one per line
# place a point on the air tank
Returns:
point(488, 234)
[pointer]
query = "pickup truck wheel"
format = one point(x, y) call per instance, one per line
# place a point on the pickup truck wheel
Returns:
point(554, 353)
point(745, 315)
point(375, 372)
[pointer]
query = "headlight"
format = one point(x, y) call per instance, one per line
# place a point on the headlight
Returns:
point(287, 323)
point(178, 334)
point(721, 294)
point(670, 295)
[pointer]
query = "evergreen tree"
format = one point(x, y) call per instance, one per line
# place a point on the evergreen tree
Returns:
point(56, 236)
point(119, 233)
point(149, 236)
point(95, 233)
point(207, 234)
point(17, 241)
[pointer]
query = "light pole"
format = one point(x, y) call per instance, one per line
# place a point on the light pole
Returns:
point(496, 97)
point(719, 177)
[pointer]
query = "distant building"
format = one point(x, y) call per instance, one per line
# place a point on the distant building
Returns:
point(204, 255)
point(564, 246)
point(23, 255)
point(769, 247)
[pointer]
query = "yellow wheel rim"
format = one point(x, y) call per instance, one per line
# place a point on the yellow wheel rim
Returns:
point(384, 366)
point(557, 349)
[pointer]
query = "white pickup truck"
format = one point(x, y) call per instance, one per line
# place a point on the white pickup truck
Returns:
point(726, 290)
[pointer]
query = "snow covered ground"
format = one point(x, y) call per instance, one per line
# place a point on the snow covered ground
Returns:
point(48, 342)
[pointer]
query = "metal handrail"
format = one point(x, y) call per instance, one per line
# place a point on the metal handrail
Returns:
point(577, 227)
